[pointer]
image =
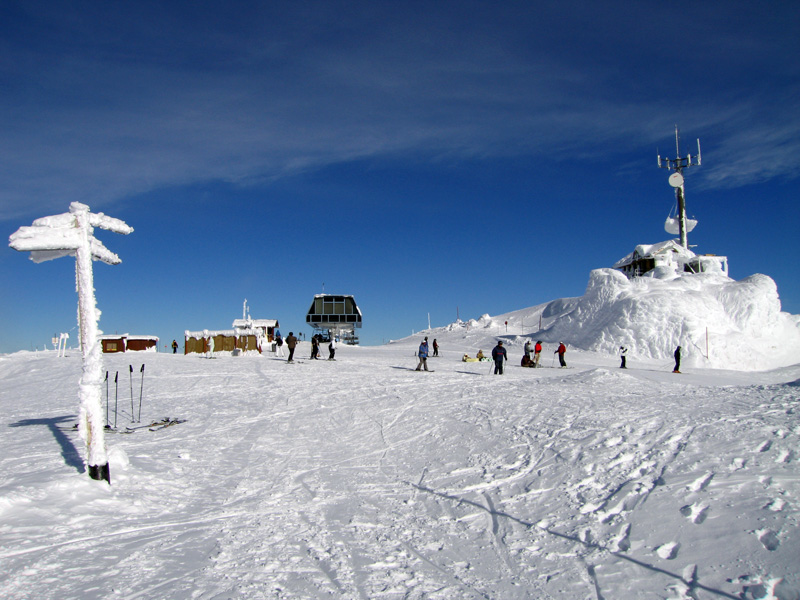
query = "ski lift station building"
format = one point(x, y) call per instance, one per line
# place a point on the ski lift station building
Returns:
point(335, 315)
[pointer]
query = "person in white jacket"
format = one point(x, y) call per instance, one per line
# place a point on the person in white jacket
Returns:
point(332, 348)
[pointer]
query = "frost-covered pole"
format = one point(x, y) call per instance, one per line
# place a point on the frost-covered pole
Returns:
point(71, 234)
point(90, 417)
point(678, 164)
point(684, 238)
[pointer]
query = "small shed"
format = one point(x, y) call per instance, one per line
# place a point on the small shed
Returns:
point(128, 343)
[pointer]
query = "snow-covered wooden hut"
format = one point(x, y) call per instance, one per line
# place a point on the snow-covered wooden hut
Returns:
point(247, 335)
point(129, 343)
point(670, 256)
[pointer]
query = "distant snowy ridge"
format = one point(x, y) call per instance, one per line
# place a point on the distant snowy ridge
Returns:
point(718, 322)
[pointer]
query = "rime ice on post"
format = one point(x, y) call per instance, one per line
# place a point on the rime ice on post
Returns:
point(71, 234)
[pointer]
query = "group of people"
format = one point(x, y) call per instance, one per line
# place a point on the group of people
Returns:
point(500, 356)
point(316, 340)
point(533, 362)
point(291, 343)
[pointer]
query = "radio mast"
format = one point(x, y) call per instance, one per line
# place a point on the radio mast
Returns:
point(678, 164)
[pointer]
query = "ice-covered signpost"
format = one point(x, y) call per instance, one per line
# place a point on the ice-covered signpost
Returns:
point(71, 234)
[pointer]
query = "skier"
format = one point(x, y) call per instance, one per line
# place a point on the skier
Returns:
point(435, 347)
point(423, 355)
point(562, 349)
point(677, 368)
point(499, 355)
point(174, 346)
point(291, 342)
point(537, 350)
point(622, 352)
point(332, 348)
point(528, 349)
point(278, 344)
point(314, 347)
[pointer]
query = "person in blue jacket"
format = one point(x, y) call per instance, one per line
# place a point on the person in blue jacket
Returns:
point(499, 355)
point(423, 355)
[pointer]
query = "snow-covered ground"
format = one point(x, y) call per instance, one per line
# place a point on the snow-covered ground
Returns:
point(363, 479)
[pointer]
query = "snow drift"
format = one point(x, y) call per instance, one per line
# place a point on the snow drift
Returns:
point(719, 322)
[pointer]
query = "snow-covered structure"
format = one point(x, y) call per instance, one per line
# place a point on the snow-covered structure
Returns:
point(247, 335)
point(669, 256)
point(128, 343)
point(336, 316)
point(72, 234)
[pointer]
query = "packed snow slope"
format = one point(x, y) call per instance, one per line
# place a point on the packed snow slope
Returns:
point(718, 322)
point(363, 479)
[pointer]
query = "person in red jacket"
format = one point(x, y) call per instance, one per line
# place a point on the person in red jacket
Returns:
point(562, 349)
point(537, 351)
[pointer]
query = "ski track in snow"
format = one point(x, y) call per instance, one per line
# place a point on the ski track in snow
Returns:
point(356, 479)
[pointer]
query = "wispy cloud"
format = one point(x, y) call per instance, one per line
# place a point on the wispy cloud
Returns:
point(103, 127)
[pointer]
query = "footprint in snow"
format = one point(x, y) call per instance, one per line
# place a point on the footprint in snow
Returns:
point(777, 505)
point(764, 446)
point(668, 551)
point(622, 543)
point(737, 464)
point(701, 483)
point(785, 456)
point(768, 538)
point(696, 512)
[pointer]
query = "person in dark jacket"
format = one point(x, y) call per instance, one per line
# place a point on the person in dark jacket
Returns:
point(677, 368)
point(499, 355)
point(174, 346)
point(435, 347)
point(623, 357)
point(314, 347)
point(291, 343)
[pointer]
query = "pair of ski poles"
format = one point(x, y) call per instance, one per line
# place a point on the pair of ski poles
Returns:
point(116, 396)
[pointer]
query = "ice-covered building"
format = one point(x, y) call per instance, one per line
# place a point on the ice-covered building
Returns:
point(669, 256)
point(246, 335)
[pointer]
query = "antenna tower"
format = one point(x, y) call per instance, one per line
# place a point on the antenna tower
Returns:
point(678, 164)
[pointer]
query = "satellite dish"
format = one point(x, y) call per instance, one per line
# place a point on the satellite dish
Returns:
point(671, 225)
point(676, 180)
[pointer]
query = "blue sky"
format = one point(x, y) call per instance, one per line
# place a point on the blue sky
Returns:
point(436, 158)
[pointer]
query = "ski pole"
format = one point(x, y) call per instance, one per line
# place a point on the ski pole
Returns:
point(553, 364)
point(131, 381)
point(141, 387)
point(107, 423)
point(116, 398)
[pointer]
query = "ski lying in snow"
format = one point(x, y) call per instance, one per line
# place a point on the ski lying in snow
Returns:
point(167, 423)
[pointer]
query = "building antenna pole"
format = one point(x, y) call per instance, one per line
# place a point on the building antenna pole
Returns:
point(678, 164)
